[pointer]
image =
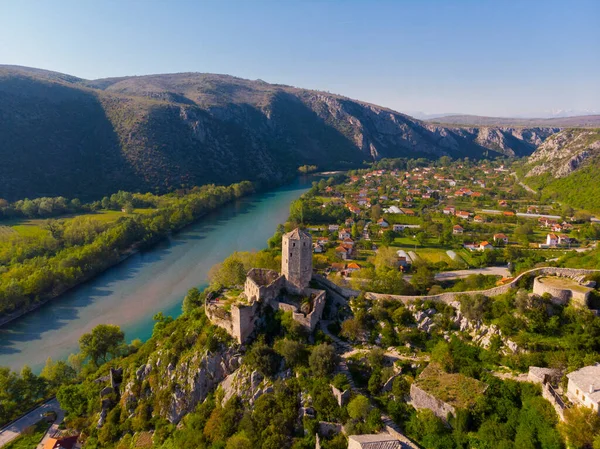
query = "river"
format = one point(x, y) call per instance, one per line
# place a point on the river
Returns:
point(131, 293)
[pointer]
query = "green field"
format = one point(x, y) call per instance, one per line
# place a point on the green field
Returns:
point(30, 227)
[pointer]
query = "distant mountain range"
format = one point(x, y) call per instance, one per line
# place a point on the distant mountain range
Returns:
point(583, 121)
point(63, 135)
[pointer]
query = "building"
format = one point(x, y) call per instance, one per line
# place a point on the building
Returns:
point(584, 387)
point(288, 291)
point(398, 227)
point(462, 214)
point(501, 238)
point(551, 240)
point(373, 441)
point(449, 210)
point(61, 443)
point(381, 222)
point(485, 246)
point(457, 229)
point(478, 219)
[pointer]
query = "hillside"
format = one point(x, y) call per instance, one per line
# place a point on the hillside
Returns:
point(566, 167)
point(583, 121)
point(62, 135)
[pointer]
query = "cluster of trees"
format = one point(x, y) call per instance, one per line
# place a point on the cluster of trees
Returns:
point(41, 207)
point(46, 265)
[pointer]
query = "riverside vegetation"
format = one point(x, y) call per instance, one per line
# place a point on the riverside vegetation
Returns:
point(40, 260)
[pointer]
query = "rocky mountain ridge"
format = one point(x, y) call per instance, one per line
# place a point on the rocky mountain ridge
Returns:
point(564, 152)
point(62, 135)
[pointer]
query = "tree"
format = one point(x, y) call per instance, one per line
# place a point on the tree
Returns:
point(581, 427)
point(72, 399)
point(323, 359)
point(193, 299)
point(359, 407)
point(104, 342)
point(352, 329)
point(239, 441)
point(263, 358)
point(58, 373)
point(388, 237)
point(292, 351)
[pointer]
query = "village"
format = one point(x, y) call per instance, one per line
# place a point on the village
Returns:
point(458, 217)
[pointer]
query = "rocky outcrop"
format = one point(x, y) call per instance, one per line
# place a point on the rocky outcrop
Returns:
point(183, 384)
point(564, 152)
point(249, 384)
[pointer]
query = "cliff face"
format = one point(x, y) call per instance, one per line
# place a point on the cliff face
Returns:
point(62, 135)
point(564, 152)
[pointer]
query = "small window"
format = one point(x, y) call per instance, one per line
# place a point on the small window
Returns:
point(290, 254)
point(294, 244)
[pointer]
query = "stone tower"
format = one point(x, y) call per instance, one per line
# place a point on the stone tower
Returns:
point(296, 259)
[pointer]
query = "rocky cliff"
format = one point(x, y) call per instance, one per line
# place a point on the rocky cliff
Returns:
point(61, 135)
point(564, 152)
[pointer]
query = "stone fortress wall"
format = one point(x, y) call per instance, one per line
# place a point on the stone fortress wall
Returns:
point(448, 297)
point(561, 295)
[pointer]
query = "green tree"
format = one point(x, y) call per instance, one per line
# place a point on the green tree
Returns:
point(104, 342)
point(73, 399)
point(359, 408)
point(323, 359)
point(58, 373)
point(581, 427)
point(192, 301)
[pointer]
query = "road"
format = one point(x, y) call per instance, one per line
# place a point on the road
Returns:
point(14, 429)
point(522, 184)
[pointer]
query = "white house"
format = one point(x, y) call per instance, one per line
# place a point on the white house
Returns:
point(584, 386)
point(551, 240)
point(485, 246)
point(398, 227)
point(457, 229)
point(501, 238)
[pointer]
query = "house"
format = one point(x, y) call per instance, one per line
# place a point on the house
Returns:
point(564, 239)
point(333, 227)
point(449, 210)
point(471, 246)
point(502, 203)
point(556, 227)
point(342, 252)
point(551, 240)
point(407, 211)
point(354, 209)
point(485, 246)
point(317, 248)
point(352, 267)
point(344, 234)
point(457, 229)
point(381, 222)
point(462, 214)
point(583, 387)
point(61, 443)
point(393, 210)
point(348, 241)
point(501, 238)
point(373, 441)
point(336, 266)
point(508, 213)
point(478, 219)
point(323, 240)
point(349, 221)
point(398, 227)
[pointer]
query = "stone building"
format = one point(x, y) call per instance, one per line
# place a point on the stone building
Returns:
point(288, 291)
point(584, 387)
point(374, 441)
point(296, 259)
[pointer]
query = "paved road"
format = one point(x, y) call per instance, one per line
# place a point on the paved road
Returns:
point(14, 429)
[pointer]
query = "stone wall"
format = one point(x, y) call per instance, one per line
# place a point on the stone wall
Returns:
point(573, 273)
point(559, 295)
point(419, 399)
point(244, 320)
point(340, 396)
point(312, 319)
point(263, 285)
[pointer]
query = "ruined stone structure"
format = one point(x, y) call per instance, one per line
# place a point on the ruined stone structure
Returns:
point(562, 294)
point(419, 399)
point(288, 291)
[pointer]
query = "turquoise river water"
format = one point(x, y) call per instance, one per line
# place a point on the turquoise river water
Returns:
point(154, 280)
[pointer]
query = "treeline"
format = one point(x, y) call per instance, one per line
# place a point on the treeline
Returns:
point(43, 266)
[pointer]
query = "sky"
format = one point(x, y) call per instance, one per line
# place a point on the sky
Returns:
point(499, 58)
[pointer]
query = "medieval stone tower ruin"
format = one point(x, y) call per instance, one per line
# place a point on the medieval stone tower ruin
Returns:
point(296, 259)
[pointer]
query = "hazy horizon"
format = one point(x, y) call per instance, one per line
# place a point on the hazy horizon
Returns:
point(517, 59)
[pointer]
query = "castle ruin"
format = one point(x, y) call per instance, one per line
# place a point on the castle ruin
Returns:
point(288, 291)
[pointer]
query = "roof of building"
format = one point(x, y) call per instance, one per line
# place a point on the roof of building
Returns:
point(500, 236)
point(298, 234)
point(62, 443)
point(376, 441)
point(588, 380)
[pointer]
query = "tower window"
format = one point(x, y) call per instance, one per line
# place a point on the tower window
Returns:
point(290, 254)
point(294, 244)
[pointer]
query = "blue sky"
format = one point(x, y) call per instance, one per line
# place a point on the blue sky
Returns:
point(480, 57)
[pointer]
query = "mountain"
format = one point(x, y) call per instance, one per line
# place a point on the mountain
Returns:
point(63, 135)
point(567, 121)
point(566, 167)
